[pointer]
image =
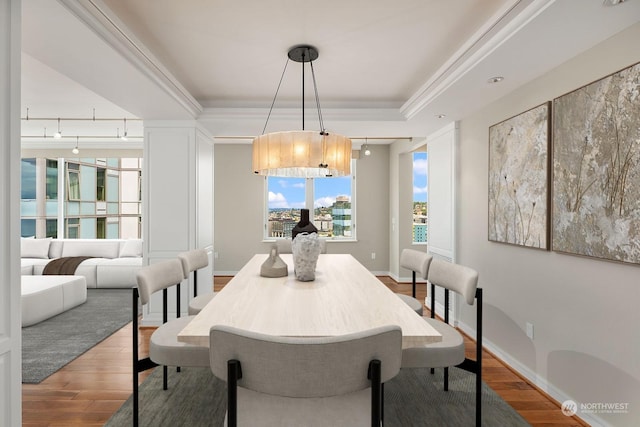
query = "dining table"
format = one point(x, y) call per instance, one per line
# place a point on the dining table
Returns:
point(344, 298)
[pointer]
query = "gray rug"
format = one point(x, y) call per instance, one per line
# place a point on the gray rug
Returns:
point(414, 398)
point(51, 344)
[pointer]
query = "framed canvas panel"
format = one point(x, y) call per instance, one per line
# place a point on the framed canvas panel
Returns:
point(596, 169)
point(519, 179)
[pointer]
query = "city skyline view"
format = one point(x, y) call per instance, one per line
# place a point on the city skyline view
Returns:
point(289, 193)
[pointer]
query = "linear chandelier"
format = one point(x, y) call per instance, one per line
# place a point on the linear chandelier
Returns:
point(302, 153)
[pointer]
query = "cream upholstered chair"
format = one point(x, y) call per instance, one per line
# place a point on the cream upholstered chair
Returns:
point(418, 262)
point(285, 381)
point(192, 261)
point(450, 351)
point(164, 347)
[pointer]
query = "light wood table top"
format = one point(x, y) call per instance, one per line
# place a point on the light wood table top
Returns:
point(344, 298)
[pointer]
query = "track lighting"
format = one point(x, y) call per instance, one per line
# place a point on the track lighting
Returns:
point(58, 134)
point(124, 135)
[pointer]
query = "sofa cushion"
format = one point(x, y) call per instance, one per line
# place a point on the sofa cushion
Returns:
point(98, 249)
point(118, 272)
point(131, 248)
point(34, 248)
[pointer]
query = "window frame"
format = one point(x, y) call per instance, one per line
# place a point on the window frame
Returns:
point(309, 204)
point(76, 172)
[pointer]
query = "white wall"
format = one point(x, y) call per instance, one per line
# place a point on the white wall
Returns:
point(585, 312)
point(10, 314)
point(239, 209)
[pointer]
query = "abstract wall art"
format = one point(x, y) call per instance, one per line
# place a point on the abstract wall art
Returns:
point(519, 179)
point(596, 169)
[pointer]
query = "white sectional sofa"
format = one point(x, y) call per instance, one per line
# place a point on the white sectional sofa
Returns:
point(114, 262)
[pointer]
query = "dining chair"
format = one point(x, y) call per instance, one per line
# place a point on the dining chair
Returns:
point(192, 261)
point(418, 262)
point(450, 351)
point(294, 381)
point(164, 347)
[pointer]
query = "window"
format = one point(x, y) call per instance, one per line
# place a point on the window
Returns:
point(51, 228)
point(85, 197)
point(28, 181)
point(101, 227)
point(28, 227)
point(101, 179)
point(73, 228)
point(52, 179)
point(73, 181)
point(331, 201)
point(419, 197)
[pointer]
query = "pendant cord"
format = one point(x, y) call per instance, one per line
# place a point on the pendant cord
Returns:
point(315, 88)
point(275, 96)
point(302, 63)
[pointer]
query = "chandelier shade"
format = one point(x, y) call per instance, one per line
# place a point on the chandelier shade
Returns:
point(302, 153)
point(305, 154)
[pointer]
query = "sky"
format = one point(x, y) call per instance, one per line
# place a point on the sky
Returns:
point(290, 192)
point(420, 177)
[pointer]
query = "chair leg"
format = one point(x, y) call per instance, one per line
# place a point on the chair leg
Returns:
point(413, 283)
point(135, 356)
point(446, 379)
point(375, 375)
point(234, 373)
point(164, 377)
point(382, 404)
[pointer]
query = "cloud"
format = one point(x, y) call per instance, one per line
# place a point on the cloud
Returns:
point(324, 202)
point(419, 190)
point(420, 166)
point(277, 200)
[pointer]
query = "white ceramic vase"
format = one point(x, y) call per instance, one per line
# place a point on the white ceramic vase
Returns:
point(305, 249)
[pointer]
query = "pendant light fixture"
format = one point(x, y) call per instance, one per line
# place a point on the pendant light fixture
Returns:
point(367, 151)
point(58, 134)
point(302, 153)
point(75, 149)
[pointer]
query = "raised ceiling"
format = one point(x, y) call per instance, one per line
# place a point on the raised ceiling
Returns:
point(385, 68)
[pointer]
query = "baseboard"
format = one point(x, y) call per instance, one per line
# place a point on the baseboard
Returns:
point(530, 376)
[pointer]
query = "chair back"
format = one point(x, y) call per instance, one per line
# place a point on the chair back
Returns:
point(455, 277)
point(305, 367)
point(158, 276)
point(193, 260)
point(416, 261)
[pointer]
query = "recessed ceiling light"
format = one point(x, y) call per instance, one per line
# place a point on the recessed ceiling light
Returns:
point(495, 79)
point(441, 116)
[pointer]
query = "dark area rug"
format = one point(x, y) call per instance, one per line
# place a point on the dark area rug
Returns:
point(414, 398)
point(51, 344)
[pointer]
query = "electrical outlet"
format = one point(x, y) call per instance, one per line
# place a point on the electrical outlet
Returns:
point(215, 255)
point(373, 255)
point(530, 330)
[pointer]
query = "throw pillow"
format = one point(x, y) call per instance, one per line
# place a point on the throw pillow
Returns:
point(131, 249)
point(35, 248)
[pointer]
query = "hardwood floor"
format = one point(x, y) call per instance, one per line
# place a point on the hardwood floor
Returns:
point(90, 389)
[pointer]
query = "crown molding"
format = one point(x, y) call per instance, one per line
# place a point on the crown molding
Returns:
point(100, 19)
point(328, 114)
point(505, 24)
